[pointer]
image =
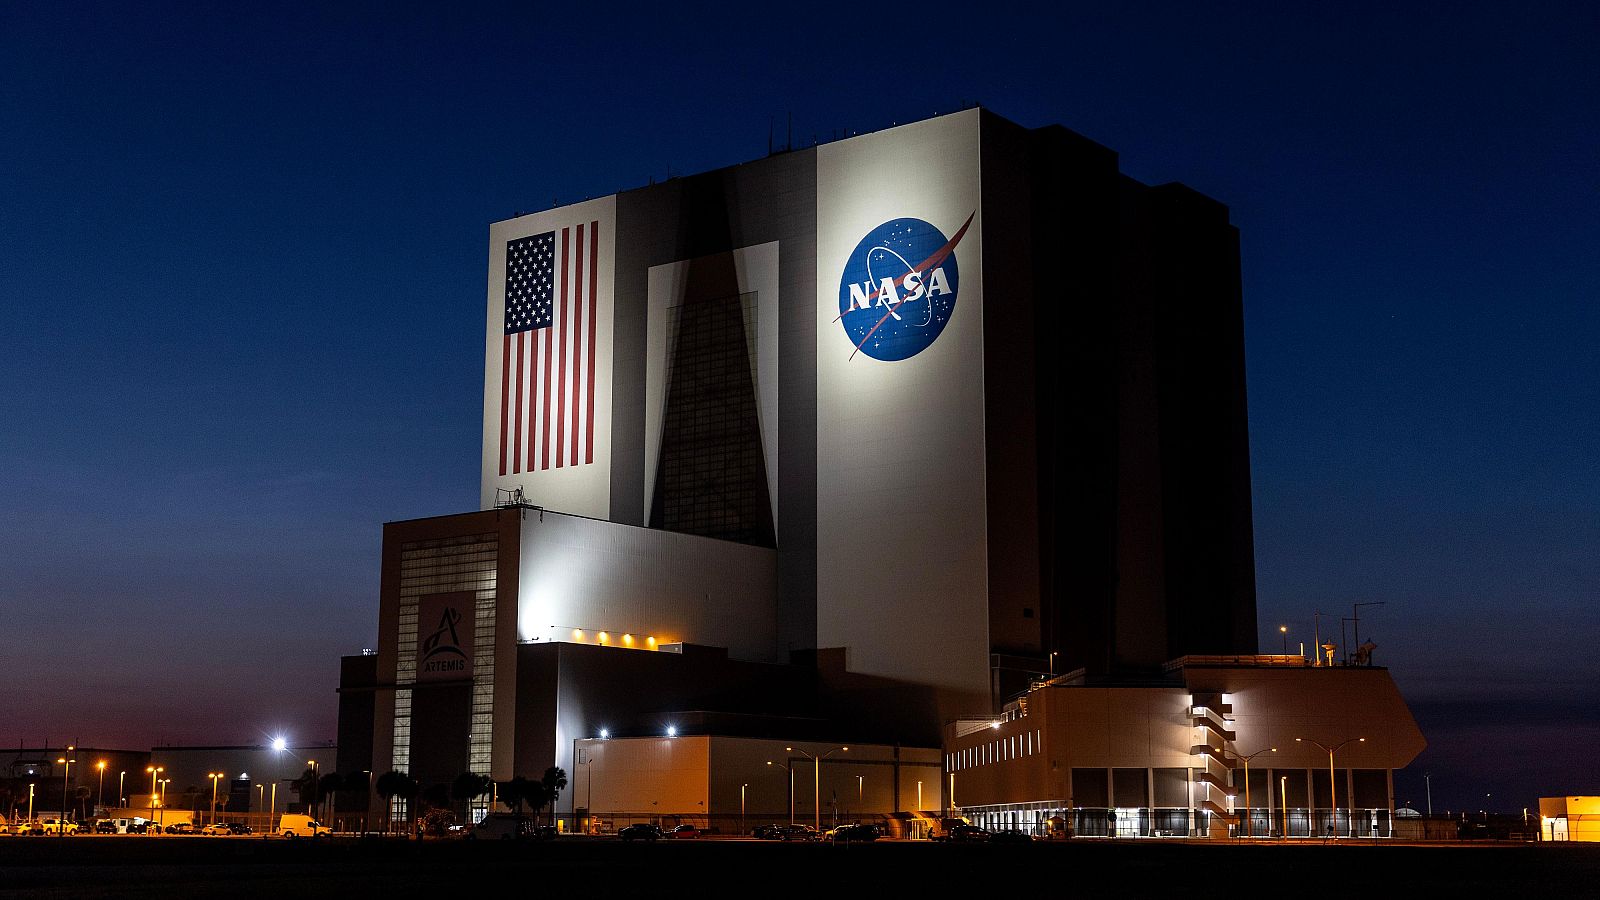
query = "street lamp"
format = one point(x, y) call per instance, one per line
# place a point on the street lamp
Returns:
point(1283, 801)
point(278, 745)
point(316, 788)
point(1249, 819)
point(215, 777)
point(122, 798)
point(1333, 782)
point(100, 795)
point(65, 775)
point(816, 783)
point(1284, 631)
point(791, 787)
point(919, 796)
point(861, 791)
point(155, 771)
point(741, 806)
point(164, 783)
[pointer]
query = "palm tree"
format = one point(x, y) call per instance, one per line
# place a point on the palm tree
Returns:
point(327, 786)
point(539, 796)
point(514, 793)
point(555, 778)
point(389, 786)
point(467, 787)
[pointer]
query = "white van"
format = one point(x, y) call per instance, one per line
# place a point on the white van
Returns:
point(299, 826)
point(500, 826)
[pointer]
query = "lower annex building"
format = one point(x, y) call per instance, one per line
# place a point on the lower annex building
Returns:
point(859, 444)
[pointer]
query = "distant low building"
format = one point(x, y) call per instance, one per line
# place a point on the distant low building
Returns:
point(1569, 818)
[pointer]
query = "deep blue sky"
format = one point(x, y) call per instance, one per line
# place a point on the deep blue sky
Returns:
point(242, 264)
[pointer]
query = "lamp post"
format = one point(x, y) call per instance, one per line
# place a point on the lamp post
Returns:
point(65, 775)
point(1283, 801)
point(122, 796)
point(215, 777)
point(316, 789)
point(1249, 826)
point(1427, 782)
point(919, 796)
point(741, 806)
point(155, 772)
point(791, 787)
point(1284, 631)
point(164, 782)
point(100, 794)
point(816, 784)
point(1333, 781)
point(278, 745)
point(30, 801)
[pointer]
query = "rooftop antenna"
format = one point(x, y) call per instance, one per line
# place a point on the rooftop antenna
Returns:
point(513, 498)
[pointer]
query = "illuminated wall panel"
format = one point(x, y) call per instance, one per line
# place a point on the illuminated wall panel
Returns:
point(901, 532)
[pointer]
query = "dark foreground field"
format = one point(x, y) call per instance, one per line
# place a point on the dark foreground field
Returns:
point(168, 867)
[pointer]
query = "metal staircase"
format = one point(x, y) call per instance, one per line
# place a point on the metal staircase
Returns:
point(1215, 757)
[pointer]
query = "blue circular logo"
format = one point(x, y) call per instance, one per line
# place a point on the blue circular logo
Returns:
point(899, 289)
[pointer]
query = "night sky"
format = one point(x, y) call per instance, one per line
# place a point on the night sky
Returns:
point(242, 264)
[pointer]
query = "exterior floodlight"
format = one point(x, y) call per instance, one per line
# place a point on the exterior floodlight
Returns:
point(604, 733)
point(672, 731)
point(279, 744)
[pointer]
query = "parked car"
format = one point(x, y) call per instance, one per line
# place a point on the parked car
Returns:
point(684, 833)
point(182, 828)
point(295, 825)
point(238, 828)
point(767, 832)
point(105, 826)
point(216, 828)
point(141, 828)
point(968, 834)
point(642, 831)
point(798, 833)
point(857, 832)
point(1011, 836)
point(55, 826)
point(18, 826)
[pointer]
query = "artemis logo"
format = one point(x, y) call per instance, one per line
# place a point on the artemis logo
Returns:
point(441, 651)
point(899, 288)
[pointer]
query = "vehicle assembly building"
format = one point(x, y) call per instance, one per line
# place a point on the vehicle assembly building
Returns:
point(932, 437)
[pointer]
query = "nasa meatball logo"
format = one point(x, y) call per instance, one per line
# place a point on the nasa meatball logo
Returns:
point(899, 289)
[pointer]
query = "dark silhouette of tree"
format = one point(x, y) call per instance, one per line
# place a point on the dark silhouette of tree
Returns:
point(329, 785)
point(555, 778)
point(306, 788)
point(467, 787)
point(539, 796)
point(391, 785)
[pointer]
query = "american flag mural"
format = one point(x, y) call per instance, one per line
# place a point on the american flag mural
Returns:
point(547, 373)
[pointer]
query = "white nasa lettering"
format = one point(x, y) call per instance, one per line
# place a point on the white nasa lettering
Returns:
point(887, 294)
point(858, 297)
point(937, 283)
point(913, 283)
